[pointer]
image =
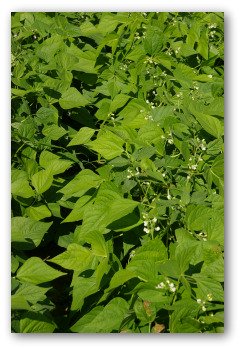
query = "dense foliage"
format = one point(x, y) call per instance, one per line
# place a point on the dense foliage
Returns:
point(117, 172)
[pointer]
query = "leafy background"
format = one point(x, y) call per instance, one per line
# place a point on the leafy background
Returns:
point(117, 172)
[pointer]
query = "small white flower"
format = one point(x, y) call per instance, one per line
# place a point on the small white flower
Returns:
point(167, 281)
point(199, 301)
point(204, 308)
point(210, 296)
point(146, 230)
point(161, 285)
point(128, 177)
point(193, 167)
point(173, 289)
point(154, 220)
point(210, 76)
point(202, 146)
point(188, 177)
point(145, 223)
point(169, 197)
point(170, 141)
point(157, 228)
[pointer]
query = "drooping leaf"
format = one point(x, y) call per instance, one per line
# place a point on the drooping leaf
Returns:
point(72, 98)
point(82, 136)
point(103, 320)
point(27, 233)
point(42, 181)
point(36, 271)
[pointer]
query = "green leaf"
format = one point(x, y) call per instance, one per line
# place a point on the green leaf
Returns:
point(82, 136)
point(36, 271)
point(98, 244)
point(153, 296)
point(19, 302)
point(47, 116)
point(83, 181)
point(103, 320)
point(120, 277)
point(108, 145)
point(153, 42)
point(42, 181)
point(207, 286)
point(183, 255)
point(38, 212)
point(209, 123)
point(32, 293)
point(36, 323)
point(52, 163)
point(21, 187)
point(82, 288)
point(197, 216)
point(54, 132)
point(145, 310)
point(118, 102)
point(80, 206)
point(27, 233)
point(72, 98)
point(184, 309)
point(76, 257)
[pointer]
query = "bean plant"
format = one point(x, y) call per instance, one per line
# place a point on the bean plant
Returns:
point(117, 172)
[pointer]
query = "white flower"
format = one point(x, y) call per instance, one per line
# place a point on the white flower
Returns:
point(170, 141)
point(210, 76)
point(157, 228)
point(204, 308)
point(173, 289)
point(145, 223)
point(160, 285)
point(193, 167)
point(154, 220)
point(199, 301)
point(202, 146)
point(128, 177)
point(169, 197)
point(210, 296)
point(146, 230)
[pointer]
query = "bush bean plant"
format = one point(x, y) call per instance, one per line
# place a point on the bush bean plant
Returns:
point(117, 172)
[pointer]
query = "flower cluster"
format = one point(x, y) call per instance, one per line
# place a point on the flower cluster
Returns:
point(202, 144)
point(203, 302)
point(150, 224)
point(131, 173)
point(167, 285)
